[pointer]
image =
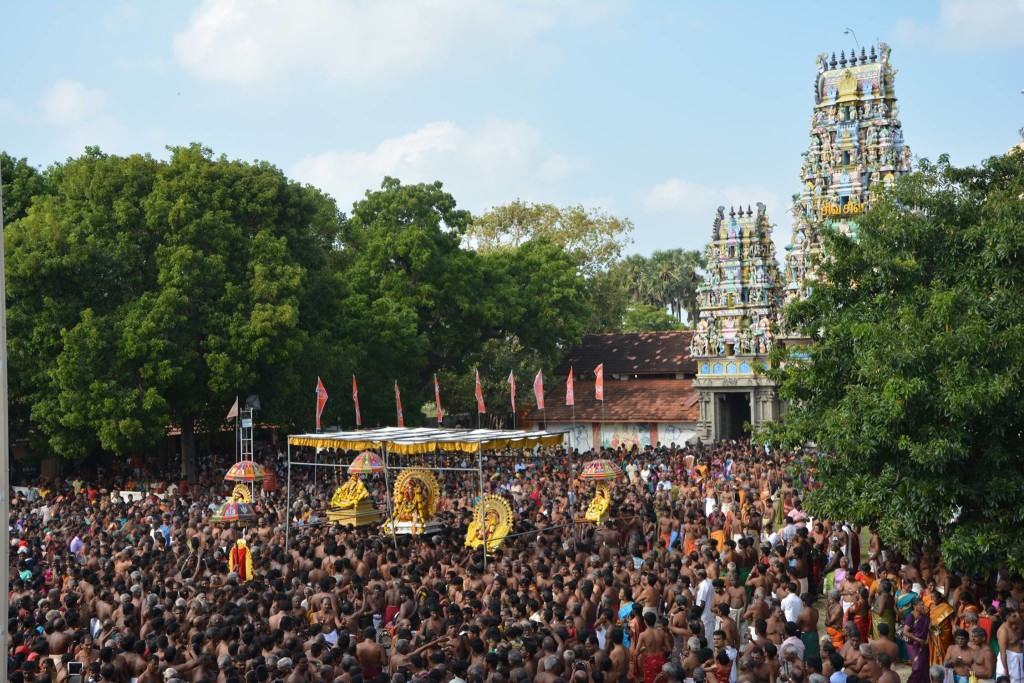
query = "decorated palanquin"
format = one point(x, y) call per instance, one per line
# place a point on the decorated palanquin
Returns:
point(492, 520)
point(415, 502)
point(597, 509)
point(351, 503)
point(603, 473)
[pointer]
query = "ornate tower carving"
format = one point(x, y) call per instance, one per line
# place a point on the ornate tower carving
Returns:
point(739, 303)
point(856, 145)
point(740, 296)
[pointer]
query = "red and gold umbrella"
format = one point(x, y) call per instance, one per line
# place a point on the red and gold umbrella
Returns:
point(600, 470)
point(245, 470)
point(234, 511)
point(366, 462)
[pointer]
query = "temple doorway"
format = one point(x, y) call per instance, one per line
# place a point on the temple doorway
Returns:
point(733, 414)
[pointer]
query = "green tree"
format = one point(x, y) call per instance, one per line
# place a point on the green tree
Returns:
point(421, 303)
point(596, 239)
point(647, 318)
point(414, 296)
point(667, 279)
point(21, 182)
point(148, 293)
point(912, 387)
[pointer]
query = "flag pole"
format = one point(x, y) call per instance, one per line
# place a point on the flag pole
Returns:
point(572, 477)
point(5, 459)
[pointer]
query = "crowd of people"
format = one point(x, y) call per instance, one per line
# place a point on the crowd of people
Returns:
point(708, 569)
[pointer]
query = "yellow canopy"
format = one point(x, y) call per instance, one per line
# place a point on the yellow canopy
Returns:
point(409, 440)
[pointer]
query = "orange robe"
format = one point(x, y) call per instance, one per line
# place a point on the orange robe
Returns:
point(240, 562)
point(940, 636)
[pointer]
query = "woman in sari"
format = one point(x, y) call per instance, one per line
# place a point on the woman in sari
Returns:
point(860, 614)
point(916, 631)
point(941, 616)
point(624, 615)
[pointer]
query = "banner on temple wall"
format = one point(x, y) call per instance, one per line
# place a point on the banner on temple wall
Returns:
point(579, 436)
point(625, 434)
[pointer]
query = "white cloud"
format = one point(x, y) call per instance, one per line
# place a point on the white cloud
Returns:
point(355, 41)
point(481, 167)
point(692, 206)
point(68, 103)
point(683, 197)
point(969, 25)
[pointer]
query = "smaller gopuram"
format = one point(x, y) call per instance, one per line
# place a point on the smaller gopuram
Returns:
point(739, 300)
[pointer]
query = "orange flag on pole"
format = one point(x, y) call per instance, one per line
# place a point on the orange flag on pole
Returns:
point(570, 391)
point(437, 400)
point(355, 400)
point(321, 400)
point(480, 407)
point(398, 405)
point(599, 382)
point(512, 387)
point(538, 389)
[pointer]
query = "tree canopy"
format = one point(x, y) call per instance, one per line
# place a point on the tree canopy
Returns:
point(21, 182)
point(147, 293)
point(912, 388)
point(667, 279)
point(596, 239)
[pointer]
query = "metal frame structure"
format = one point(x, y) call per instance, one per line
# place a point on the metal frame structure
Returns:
point(414, 441)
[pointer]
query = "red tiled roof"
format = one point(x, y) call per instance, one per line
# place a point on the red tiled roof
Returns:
point(637, 400)
point(635, 353)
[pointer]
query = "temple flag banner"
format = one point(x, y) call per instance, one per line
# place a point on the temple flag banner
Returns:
point(480, 407)
point(570, 392)
point(437, 400)
point(538, 389)
point(599, 382)
point(321, 401)
point(233, 413)
point(355, 400)
point(512, 388)
point(398, 405)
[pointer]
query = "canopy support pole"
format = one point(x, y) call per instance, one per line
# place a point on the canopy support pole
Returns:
point(387, 495)
point(483, 520)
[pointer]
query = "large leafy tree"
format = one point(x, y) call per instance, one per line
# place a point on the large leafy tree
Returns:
point(594, 238)
point(413, 295)
point(420, 303)
point(912, 389)
point(21, 182)
point(149, 293)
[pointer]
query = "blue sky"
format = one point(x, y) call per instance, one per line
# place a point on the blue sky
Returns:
point(658, 111)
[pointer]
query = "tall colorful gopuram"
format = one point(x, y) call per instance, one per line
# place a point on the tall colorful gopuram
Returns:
point(856, 145)
point(739, 300)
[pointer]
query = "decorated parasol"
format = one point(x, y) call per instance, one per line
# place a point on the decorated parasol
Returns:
point(366, 462)
point(233, 511)
point(245, 470)
point(600, 470)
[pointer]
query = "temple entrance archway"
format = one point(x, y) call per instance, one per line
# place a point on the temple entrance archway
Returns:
point(733, 413)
